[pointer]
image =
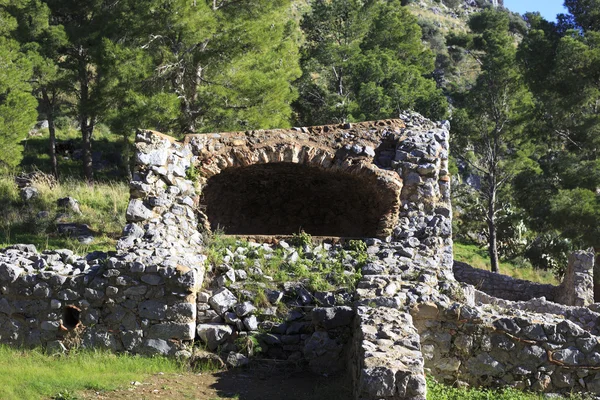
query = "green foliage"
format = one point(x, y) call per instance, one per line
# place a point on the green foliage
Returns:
point(364, 60)
point(559, 188)
point(248, 345)
point(318, 272)
point(230, 64)
point(301, 239)
point(17, 105)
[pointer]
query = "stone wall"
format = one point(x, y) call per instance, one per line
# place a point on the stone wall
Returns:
point(577, 288)
point(141, 298)
point(156, 293)
point(484, 346)
point(502, 286)
point(412, 266)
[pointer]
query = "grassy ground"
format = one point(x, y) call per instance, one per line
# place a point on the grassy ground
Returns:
point(30, 374)
point(102, 205)
point(437, 391)
point(33, 375)
point(478, 258)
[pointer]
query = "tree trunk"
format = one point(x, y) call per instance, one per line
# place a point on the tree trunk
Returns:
point(87, 128)
point(126, 156)
point(49, 108)
point(53, 159)
point(492, 240)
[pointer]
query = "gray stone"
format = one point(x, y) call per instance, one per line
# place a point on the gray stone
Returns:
point(156, 347)
point(137, 211)
point(152, 279)
point(153, 309)
point(9, 273)
point(484, 364)
point(236, 360)
point(132, 339)
point(50, 325)
point(325, 299)
point(5, 307)
point(222, 300)
point(251, 323)
point(332, 317)
point(135, 291)
point(274, 296)
point(133, 230)
point(55, 347)
point(377, 382)
point(172, 330)
point(570, 356)
point(156, 157)
point(181, 312)
point(29, 193)
point(244, 309)
point(69, 204)
point(213, 335)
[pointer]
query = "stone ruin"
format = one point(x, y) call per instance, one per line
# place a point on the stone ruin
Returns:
point(385, 182)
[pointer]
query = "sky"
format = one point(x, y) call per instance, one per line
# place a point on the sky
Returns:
point(548, 8)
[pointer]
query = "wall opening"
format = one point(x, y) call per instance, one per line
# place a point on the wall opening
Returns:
point(286, 198)
point(71, 317)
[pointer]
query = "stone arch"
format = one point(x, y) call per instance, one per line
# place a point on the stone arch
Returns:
point(280, 188)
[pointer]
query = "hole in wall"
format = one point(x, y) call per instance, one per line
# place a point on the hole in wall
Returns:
point(71, 316)
point(286, 198)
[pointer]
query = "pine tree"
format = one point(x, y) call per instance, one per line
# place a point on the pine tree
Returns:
point(17, 105)
point(364, 60)
point(562, 60)
point(488, 124)
point(41, 42)
point(230, 63)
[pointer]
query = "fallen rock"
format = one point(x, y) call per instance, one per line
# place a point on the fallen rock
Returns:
point(69, 204)
point(29, 193)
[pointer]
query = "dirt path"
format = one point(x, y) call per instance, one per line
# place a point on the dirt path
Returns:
point(252, 383)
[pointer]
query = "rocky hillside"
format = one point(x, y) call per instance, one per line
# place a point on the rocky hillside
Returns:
point(450, 14)
point(437, 19)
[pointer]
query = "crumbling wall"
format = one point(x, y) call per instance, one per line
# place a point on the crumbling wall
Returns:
point(141, 298)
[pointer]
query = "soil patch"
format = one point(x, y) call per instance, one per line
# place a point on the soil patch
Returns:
point(253, 383)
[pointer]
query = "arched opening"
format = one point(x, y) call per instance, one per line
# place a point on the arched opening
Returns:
point(286, 198)
point(71, 317)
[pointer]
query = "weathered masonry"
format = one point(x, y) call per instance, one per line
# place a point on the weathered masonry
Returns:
point(385, 182)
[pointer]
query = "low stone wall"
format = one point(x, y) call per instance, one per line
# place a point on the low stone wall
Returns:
point(502, 286)
point(577, 288)
point(119, 302)
point(141, 298)
point(477, 346)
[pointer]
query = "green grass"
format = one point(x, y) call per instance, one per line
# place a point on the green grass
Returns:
point(316, 273)
point(438, 391)
point(478, 258)
point(31, 374)
point(102, 205)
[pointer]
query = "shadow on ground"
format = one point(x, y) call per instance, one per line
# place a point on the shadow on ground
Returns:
point(275, 382)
